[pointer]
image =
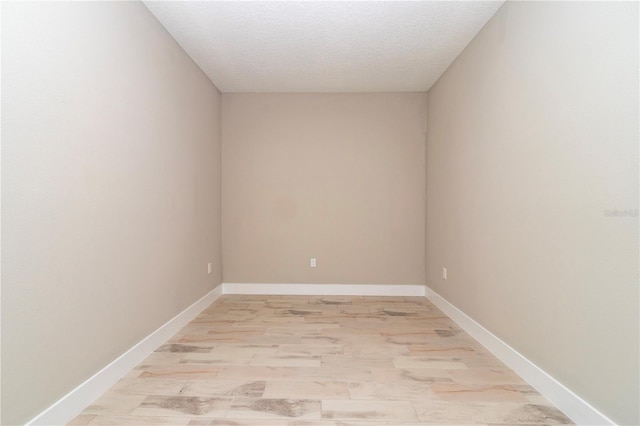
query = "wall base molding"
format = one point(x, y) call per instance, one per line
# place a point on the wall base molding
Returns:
point(325, 289)
point(576, 408)
point(73, 403)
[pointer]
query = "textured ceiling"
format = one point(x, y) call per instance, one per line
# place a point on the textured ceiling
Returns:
point(361, 46)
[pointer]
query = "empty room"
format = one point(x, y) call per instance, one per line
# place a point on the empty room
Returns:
point(320, 213)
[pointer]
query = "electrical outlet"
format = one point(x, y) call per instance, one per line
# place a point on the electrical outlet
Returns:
point(312, 263)
point(444, 273)
point(209, 268)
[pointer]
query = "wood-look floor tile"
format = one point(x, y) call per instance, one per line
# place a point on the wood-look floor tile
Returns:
point(311, 349)
point(179, 348)
point(264, 422)
point(431, 363)
point(139, 420)
point(271, 339)
point(310, 389)
point(346, 361)
point(485, 393)
point(368, 410)
point(180, 371)
point(150, 386)
point(217, 358)
point(114, 403)
point(285, 360)
point(163, 358)
point(321, 361)
point(414, 391)
point(82, 420)
point(334, 373)
point(434, 350)
point(251, 372)
point(180, 406)
point(229, 388)
point(485, 376)
point(408, 375)
point(263, 408)
point(488, 413)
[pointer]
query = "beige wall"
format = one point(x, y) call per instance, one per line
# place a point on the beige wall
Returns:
point(111, 191)
point(338, 177)
point(532, 137)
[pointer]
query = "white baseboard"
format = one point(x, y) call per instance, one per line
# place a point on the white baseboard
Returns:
point(325, 289)
point(73, 403)
point(576, 408)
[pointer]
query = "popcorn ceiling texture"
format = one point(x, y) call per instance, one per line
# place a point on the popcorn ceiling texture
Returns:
point(323, 46)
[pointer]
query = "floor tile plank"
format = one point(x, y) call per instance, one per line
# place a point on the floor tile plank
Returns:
point(321, 361)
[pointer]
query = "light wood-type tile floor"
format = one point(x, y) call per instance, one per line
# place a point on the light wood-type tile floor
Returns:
point(321, 361)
